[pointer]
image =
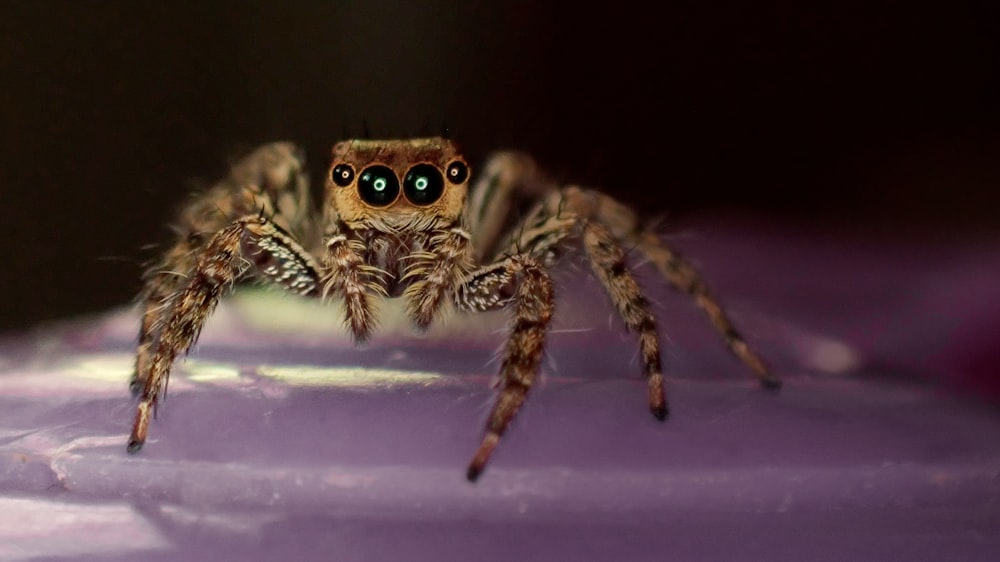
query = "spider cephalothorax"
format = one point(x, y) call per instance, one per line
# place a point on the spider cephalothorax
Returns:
point(396, 223)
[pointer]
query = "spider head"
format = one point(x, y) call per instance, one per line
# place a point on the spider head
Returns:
point(397, 185)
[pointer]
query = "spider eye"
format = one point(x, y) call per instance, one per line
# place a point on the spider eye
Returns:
point(457, 172)
point(378, 186)
point(342, 175)
point(423, 184)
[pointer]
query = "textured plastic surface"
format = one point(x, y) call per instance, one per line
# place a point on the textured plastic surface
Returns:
point(280, 440)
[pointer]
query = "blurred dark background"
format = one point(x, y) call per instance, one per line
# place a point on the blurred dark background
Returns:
point(879, 116)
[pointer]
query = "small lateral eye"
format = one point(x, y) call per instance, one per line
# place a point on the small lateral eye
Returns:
point(378, 186)
point(342, 175)
point(457, 172)
point(423, 184)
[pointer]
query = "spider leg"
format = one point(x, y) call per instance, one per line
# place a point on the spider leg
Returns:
point(604, 225)
point(623, 224)
point(251, 244)
point(162, 282)
point(521, 281)
point(509, 181)
point(607, 259)
point(270, 181)
point(686, 278)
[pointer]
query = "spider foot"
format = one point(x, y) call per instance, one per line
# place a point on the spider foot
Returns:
point(658, 397)
point(473, 473)
point(482, 455)
point(660, 412)
point(139, 429)
point(770, 382)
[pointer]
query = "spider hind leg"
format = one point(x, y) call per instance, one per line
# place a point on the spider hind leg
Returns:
point(622, 224)
point(607, 259)
point(684, 277)
point(512, 181)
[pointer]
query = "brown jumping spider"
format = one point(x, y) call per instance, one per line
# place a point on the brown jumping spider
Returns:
point(395, 224)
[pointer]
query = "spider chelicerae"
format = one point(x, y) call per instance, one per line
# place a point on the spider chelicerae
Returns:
point(398, 220)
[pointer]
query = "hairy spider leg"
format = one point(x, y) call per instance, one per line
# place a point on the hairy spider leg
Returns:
point(520, 281)
point(511, 178)
point(162, 284)
point(509, 182)
point(607, 259)
point(270, 181)
point(254, 245)
point(679, 272)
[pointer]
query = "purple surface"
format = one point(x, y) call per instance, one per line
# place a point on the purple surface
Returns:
point(280, 440)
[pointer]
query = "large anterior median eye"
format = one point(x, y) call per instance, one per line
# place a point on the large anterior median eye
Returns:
point(423, 184)
point(378, 186)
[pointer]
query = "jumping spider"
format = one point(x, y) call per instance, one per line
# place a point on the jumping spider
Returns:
point(395, 224)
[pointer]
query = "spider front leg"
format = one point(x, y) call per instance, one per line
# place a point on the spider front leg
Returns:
point(162, 284)
point(269, 180)
point(522, 282)
point(250, 244)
